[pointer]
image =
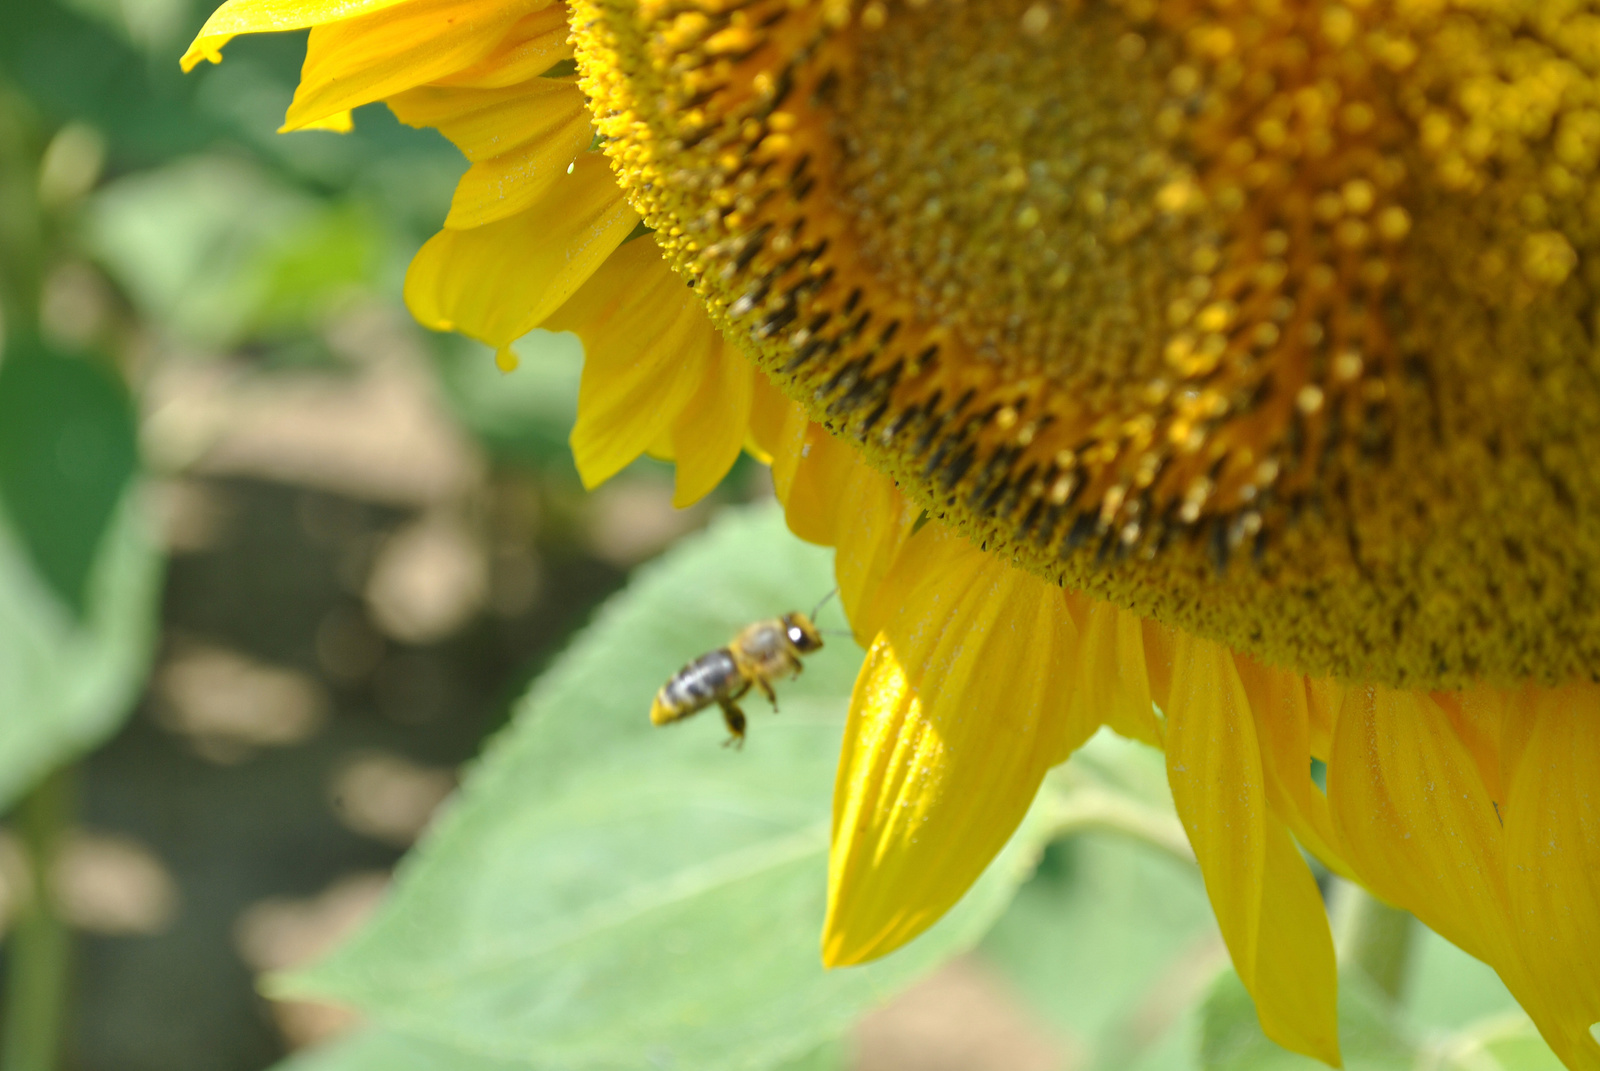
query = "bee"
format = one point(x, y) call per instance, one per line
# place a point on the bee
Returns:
point(761, 653)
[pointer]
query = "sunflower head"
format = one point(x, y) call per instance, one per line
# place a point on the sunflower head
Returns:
point(1271, 320)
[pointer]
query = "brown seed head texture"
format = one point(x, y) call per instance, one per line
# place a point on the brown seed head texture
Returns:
point(1271, 320)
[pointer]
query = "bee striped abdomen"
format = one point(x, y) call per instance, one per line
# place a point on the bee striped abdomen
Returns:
point(698, 685)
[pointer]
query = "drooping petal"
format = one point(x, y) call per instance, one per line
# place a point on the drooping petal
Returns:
point(500, 281)
point(1415, 821)
point(1281, 704)
point(831, 496)
point(875, 522)
point(359, 60)
point(956, 717)
point(520, 139)
point(1552, 835)
point(709, 433)
point(657, 377)
point(271, 16)
point(1415, 818)
point(1478, 718)
point(1261, 890)
point(1113, 681)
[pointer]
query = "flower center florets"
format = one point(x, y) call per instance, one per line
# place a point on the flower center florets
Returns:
point(1206, 307)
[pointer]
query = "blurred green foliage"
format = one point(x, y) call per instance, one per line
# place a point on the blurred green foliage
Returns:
point(79, 566)
point(67, 454)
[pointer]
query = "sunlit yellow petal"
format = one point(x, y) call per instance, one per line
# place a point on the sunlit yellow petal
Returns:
point(1552, 832)
point(955, 718)
point(646, 345)
point(521, 139)
point(533, 45)
point(338, 123)
point(1265, 900)
point(367, 58)
point(271, 16)
point(500, 281)
point(709, 433)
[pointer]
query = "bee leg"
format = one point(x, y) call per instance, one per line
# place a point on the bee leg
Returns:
point(766, 690)
point(735, 719)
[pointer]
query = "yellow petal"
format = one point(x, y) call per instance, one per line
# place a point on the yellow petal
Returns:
point(521, 139)
point(367, 58)
point(500, 281)
point(1414, 819)
point(833, 497)
point(1281, 704)
point(1261, 890)
point(270, 16)
point(533, 45)
point(770, 413)
point(648, 345)
point(1478, 718)
point(338, 123)
point(1160, 643)
point(1552, 832)
point(956, 717)
point(710, 431)
point(1112, 680)
point(876, 522)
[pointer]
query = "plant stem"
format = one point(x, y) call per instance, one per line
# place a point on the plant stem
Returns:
point(1091, 808)
point(39, 951)
point(1375, 937)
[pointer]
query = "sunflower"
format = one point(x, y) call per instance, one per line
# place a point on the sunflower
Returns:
point(1220, 371)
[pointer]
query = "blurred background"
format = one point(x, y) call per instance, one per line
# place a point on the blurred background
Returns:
point(373, 539)
point(349, 544)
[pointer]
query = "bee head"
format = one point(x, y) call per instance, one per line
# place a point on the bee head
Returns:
point(801, 632)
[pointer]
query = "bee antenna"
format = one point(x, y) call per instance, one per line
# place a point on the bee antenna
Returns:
point(823, 602)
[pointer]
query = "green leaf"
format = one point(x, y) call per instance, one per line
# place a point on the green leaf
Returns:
point(382, 1050)
point(66, 683)
point(607, 895)
point(67, 452)
point(1369, 1038)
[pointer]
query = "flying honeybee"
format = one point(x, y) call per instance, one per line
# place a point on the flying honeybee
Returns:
point(760, 654)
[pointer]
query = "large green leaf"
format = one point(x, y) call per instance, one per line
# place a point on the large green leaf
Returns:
point(66, 682)
point(606, 895)
point(382, 1050)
